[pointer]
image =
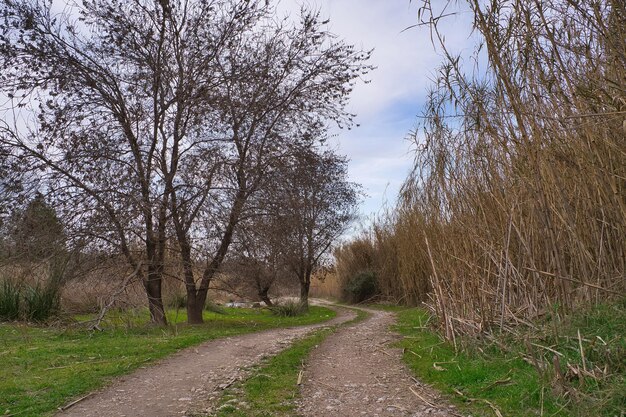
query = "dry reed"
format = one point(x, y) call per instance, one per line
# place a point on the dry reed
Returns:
point(517, 202)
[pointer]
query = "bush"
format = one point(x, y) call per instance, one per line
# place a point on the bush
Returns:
point(214, 308)
point(9, 301)
point(178, 301)
point(288, 309)
point(361, 287)
point(41, 303)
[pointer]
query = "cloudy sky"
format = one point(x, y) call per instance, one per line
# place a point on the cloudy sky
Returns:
point(379, 150)
point(380, 154)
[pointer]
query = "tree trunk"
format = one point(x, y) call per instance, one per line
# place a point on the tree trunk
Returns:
point(196, 298)
point(264, 297)
point(155, 253)
point(155, 302)
point(304, 293)
point(195, 305)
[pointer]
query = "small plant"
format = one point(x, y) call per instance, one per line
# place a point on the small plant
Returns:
point(214, 308)
point(41, 303)
point(178, 301)
point(9, 301)
point(288, 309)
point(361, 287)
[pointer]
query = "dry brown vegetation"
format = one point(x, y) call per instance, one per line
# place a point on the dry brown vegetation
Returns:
point(517, 201)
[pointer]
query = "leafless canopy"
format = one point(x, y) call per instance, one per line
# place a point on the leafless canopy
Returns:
point(152, 122)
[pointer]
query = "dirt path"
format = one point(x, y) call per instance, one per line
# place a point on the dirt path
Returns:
point(192, 378)
point(355, 373)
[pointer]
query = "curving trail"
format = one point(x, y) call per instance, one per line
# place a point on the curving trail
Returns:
point(190, 380)
point(356, 373)
point(353, 373)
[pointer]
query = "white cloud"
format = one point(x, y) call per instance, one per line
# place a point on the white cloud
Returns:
point(386, 107)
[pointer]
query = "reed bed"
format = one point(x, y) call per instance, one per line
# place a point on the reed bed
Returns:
point(516, 206)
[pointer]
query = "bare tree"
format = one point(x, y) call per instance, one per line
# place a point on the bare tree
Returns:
point(318, 204)
point(278, 85)
point(257, 260)
point(156, 121)
point(261, 242)
point(120, 91)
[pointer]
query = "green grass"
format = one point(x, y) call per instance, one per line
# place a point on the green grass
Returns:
point(45, 367)
point(496, 372)
point(271, 390)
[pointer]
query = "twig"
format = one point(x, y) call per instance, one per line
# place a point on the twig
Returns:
point(582, 352)
point(105, 308)
point(228, 384)
point(417, 382)
point(327, 385)
point(73, 403)
point(489, 403)
point(422, 398)
point(416, 354)
point(300, 374)
point(588, 284)
point(460, 393)
point(557, 370)
point(385, 352)
point(547, 348)
point(532, 356)
point(506, 380)
point(494, 408)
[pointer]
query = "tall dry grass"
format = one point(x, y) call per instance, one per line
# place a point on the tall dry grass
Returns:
point(517, 201)
point(325, 283)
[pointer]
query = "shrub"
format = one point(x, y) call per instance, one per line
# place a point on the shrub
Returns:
point(41, 303)
point(214, 308)
point(288, 309)
point(178, 300)
point(361, 287)
point(9, 301)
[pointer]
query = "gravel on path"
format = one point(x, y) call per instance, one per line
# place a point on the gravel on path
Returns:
point(355, 372)
point(192, 379)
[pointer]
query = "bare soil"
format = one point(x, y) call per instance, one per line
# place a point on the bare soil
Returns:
point(356, 372)
point(191, 380)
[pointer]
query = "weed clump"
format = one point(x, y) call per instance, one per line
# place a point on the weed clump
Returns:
point(288, 309)
point(37, 304)
point(178, 301)
point(214, 308)
point(9, 301)
point(41, 303)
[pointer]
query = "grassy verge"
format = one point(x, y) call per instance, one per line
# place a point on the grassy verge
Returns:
point(272, 389)
point(44, 367)
point(516, 373)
